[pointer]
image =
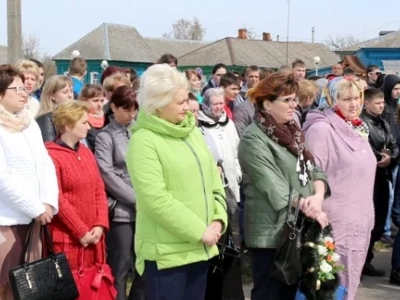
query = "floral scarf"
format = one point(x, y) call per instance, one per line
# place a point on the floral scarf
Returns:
point(290, 137)
point(207, 109)
point(14, 122)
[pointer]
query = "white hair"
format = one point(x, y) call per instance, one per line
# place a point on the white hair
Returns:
point(213, 92)
point(158, 86)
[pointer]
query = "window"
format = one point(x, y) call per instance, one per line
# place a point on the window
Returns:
point(94, 77)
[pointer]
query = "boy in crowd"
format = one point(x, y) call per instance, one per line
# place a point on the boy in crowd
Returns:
point(385, 148)
point(77, 72)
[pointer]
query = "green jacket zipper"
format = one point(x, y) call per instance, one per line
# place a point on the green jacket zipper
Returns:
point(204, 185)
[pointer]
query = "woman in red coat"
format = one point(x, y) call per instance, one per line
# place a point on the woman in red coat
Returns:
point(83, 208)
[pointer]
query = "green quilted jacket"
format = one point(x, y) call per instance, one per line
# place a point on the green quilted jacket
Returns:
point(174, 177)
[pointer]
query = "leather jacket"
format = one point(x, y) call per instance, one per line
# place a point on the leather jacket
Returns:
point(380, 137)
point(47, 128)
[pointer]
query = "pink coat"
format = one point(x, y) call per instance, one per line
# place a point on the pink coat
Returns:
point(350, 165)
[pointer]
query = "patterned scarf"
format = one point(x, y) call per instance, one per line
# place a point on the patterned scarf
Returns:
point(290, 137)
point(14, 122)
point(357, 124)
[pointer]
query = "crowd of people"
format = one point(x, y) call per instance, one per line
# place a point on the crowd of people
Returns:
point(137, 168)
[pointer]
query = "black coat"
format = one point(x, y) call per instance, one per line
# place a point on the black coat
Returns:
point(380, 137)
point(47, 128)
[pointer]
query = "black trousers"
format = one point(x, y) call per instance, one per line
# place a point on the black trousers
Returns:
point(187, 282)
point(120, 257)
point(266, 287)
point(381, 206)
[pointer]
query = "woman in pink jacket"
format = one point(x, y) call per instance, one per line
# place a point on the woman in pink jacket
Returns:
point(338, 140)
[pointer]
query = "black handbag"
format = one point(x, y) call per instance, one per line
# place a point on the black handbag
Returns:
point(230, 195)
point(224, 280)
point(45, 279)
point(287, 266)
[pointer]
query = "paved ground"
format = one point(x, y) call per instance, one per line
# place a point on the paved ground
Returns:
point(373, 288)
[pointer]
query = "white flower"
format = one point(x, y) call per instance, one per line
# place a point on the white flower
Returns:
point(335, 257)
point(328, 239)
point(322, 250)
point(325, 267)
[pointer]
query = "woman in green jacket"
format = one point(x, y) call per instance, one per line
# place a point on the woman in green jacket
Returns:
point(179, 218)
point(274, 158)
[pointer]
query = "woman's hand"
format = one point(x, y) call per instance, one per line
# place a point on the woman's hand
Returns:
point(46, 216)
point(312, 205)
point(96, 233)
point(86, 239)
point(322, 219)
point(211, 235)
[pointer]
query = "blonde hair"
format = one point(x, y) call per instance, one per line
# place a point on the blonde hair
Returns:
point(68, 114)
point(350, 84)
point(110, 83)
point(28, 66)
point(158, 86)
point(53, 85)
point(307, 89)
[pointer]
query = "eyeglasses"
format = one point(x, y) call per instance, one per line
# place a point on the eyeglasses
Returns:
point(18, 89)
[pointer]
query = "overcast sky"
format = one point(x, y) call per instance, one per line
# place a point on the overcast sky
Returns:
point(60, 23)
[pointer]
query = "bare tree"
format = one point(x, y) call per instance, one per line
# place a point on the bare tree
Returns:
point(49, 66)
point(341, 42)
point(185, 29)
point(31, 46)
point(252, 35)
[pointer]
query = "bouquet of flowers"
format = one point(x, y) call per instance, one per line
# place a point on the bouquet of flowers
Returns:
point(320, 264)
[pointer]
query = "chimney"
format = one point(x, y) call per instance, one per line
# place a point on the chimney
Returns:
point(266, 36)
point(312, 34)
point(277, 37)
point(242, 33)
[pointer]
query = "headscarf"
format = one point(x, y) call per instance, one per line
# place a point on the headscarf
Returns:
point(206, 105)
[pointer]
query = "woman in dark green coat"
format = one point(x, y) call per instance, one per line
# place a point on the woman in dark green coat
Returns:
point(274, 158)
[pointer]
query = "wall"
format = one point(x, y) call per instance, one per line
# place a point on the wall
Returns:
point(375, 56)
point(93, 66)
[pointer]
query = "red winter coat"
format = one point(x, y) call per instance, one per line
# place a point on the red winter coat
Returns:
point(82, 201)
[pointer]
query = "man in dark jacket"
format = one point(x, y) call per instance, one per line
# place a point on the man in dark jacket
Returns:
point(391, 90)
point(385, 148)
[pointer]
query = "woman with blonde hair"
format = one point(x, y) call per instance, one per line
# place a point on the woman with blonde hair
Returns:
point(31, 73)
point(338, 139)
point(83, 213)
point(57, 90)
point(179, 215)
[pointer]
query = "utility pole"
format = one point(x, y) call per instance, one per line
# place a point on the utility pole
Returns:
point(287, 34)
point(14, 31)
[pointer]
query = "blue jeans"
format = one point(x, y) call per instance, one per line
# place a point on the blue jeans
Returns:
point(388, 226)
point(396, 221)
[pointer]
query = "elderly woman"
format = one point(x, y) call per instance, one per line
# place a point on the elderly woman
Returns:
point(179, 218)
point(28, 186)
point(83, 214)
point(110, 152)
point(214, 120)
point(31, 73)
point(338, 140)
point(274, 159)
point(57, 90)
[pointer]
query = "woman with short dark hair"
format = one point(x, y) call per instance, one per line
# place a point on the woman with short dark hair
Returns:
point(110, 152)
point(28, 185)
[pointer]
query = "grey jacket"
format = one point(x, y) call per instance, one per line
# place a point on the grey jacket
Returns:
point(110, 151)
point(243, 116)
